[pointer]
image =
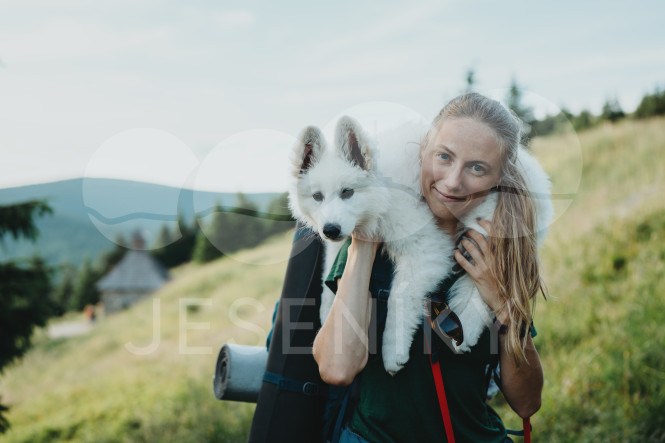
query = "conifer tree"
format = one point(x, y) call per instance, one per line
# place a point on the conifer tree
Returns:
point(109, 259)
point(612, 111)
point(184, 247)
point(210, 238)
point(244, 228)
point(63, 292)
point(24, 288)
point(651, 105)
point(470, 80)
point(180, 250)
point(583, 120)
point(204, 250)
point(525, 113)
point(279, 217)
point(85, 291)
point(164, 237)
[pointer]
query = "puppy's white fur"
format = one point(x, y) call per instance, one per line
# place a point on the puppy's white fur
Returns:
point(385, 205)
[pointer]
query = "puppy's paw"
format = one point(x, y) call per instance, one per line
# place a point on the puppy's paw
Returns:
point(394, 361)
point(464, 347)
point(393, 367)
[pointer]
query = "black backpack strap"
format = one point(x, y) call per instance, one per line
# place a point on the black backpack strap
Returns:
point(293, 416)
point(379, 286)
point(303, 387)
point(341, 404)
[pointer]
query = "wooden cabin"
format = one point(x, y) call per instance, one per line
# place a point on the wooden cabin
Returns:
point(137, 275)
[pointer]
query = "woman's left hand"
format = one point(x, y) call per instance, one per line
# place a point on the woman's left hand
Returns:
point(479, 271)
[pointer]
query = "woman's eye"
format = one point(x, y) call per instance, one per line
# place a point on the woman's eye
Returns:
point(317, 196)
point(444, 156)
point(346, 193)
point(478, 169)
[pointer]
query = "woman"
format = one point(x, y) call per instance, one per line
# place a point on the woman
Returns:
point(469, 151)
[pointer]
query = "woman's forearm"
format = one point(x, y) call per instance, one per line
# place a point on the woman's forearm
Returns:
point(340, 346)
point(522, 386)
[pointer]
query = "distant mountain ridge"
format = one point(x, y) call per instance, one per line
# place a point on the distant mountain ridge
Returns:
point(89, 213)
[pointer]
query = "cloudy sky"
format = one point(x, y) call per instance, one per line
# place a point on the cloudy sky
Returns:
point(211, 94)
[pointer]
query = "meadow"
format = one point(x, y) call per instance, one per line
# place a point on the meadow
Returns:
point(599, 333)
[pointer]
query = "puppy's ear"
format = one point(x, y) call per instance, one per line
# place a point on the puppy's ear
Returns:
point(352, 143)
point(308, 149)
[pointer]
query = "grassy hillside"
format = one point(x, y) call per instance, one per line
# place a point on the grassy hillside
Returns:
point(599, 337)
point(599, 334)
point(92, 388)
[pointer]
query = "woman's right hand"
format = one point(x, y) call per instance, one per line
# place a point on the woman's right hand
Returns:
point(363, 248)
point(341, 345)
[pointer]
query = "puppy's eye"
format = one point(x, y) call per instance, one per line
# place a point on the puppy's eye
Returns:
point(317, 196)
point(346, 193)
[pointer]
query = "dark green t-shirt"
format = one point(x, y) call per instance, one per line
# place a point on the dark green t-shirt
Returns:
point(405, 407)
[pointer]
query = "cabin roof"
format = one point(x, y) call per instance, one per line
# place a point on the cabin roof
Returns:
point(137, 271)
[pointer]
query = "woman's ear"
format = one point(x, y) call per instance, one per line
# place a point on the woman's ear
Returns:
point(423, 149)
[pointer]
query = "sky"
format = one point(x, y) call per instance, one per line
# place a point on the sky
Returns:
point(212, 94)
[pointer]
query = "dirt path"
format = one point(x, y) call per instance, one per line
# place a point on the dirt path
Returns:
point(69, 329)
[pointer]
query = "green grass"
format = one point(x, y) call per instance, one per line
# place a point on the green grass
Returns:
point(600, 336)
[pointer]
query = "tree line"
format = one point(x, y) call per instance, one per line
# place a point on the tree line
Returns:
point(223, 231)
point(651, 105)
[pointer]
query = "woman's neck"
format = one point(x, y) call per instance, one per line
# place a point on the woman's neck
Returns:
point(449, 227)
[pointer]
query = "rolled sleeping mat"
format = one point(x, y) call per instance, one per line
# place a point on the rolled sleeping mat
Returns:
point(239, 372)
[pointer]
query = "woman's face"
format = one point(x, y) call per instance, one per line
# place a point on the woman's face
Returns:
point(459, 167)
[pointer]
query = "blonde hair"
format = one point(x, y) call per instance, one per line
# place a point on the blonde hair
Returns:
point(513, 237)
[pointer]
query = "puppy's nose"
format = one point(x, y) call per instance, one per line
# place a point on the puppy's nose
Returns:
point(331, 231)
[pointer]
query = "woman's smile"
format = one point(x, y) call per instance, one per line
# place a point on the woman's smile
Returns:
point(448, 198)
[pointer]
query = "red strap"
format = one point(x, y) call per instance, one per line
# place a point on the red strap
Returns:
point(440, 393)
point(526, 425)
point(443, 403)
